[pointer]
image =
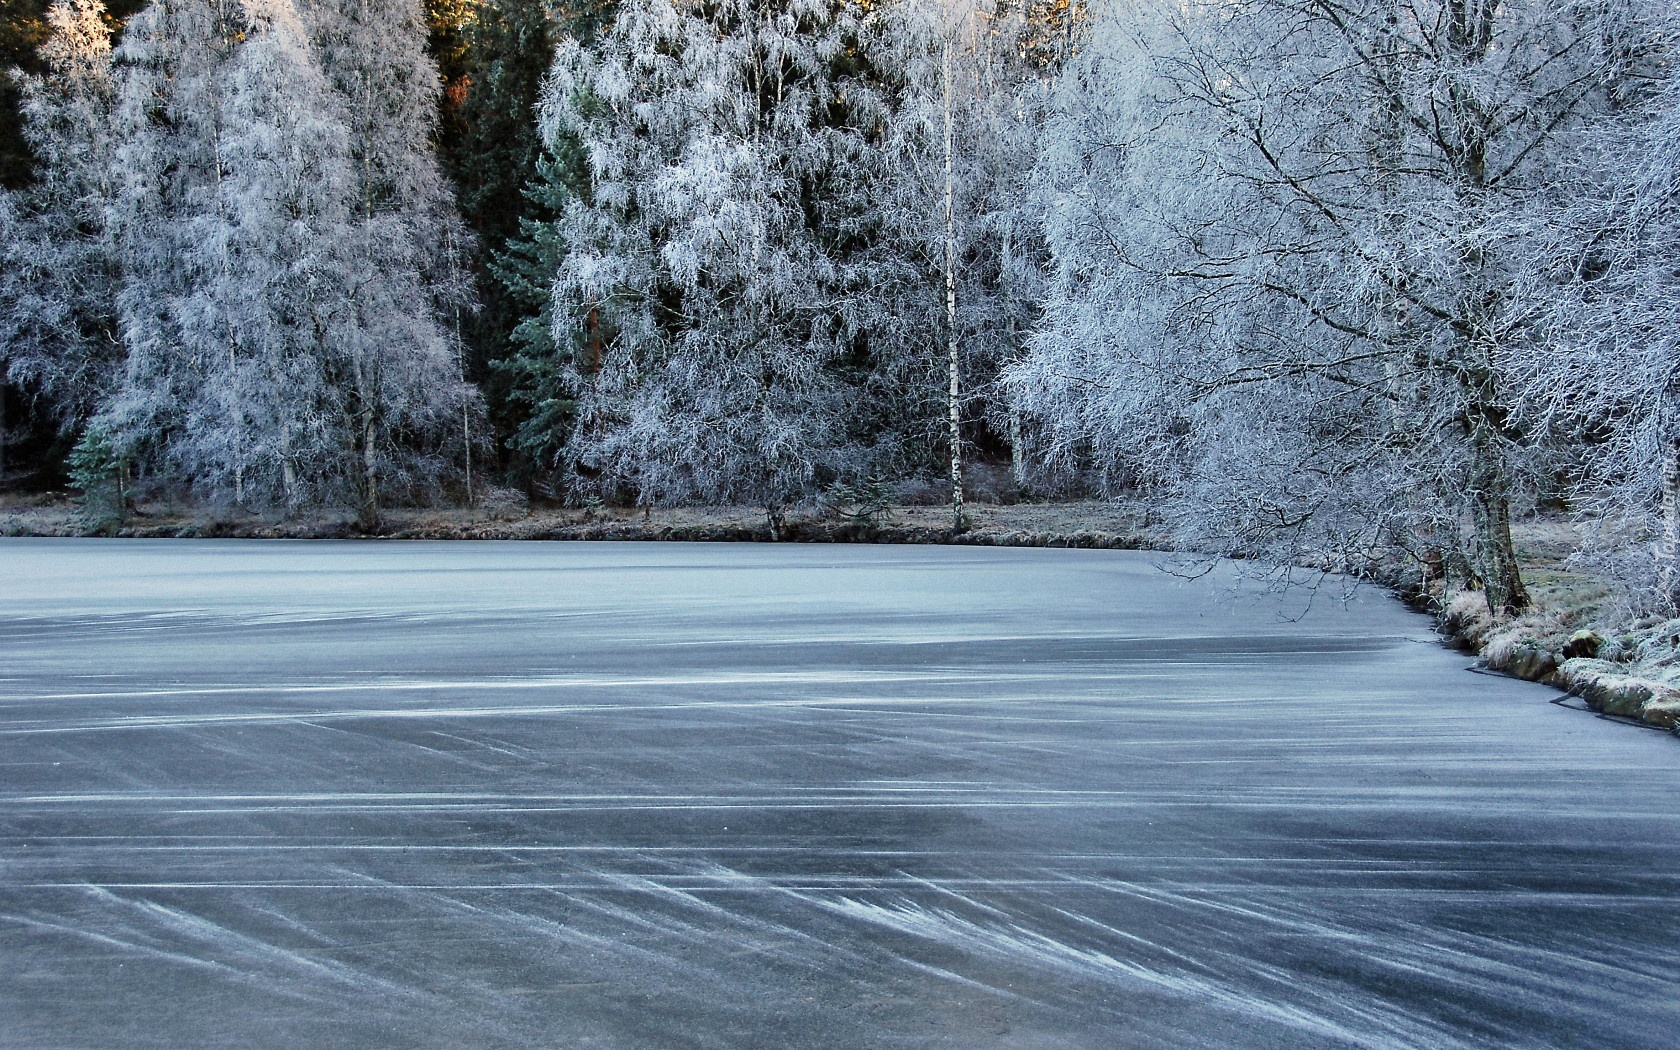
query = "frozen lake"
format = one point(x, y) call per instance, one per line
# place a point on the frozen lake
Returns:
point(268, 794)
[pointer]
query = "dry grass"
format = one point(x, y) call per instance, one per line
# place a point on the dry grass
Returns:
point(1083, 524)
point(1636, 665)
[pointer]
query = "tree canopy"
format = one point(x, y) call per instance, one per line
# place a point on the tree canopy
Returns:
point(1348, 285)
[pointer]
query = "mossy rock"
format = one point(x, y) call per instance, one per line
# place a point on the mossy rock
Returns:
point(1616, 696)
point(1663, 710)
point(1531, 663)
point(1583, 643)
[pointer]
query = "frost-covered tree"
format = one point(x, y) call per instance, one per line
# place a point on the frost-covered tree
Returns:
point(262, 420)
point(1293, 239)
point(1607, 378)
point(397, 353)
point(961, 145)
point(770, 189)
point(171, 220)
point(58, 282)
point(715, 286)
point(289, 255)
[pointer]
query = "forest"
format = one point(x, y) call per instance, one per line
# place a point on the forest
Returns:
point(1351, 284)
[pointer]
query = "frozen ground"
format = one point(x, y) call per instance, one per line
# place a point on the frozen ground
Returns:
point(644, 796)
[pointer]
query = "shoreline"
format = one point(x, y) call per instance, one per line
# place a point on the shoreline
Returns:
point(1090, 525)
point(1530, 649)
point(1548, 645)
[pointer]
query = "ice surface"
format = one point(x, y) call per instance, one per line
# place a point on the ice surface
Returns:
point(639, 796)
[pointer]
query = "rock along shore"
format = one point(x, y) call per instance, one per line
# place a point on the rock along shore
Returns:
point(1533, 648)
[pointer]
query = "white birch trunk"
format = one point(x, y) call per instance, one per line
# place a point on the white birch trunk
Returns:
point(958, 521)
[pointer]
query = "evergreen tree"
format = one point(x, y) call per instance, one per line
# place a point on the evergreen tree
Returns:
point(531, 373)
point(510, 189)
point(707, 293)
point(23, 29)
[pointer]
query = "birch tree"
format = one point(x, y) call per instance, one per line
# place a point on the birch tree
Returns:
point(169, 224)
point(947, 91)
point(231, 183)
point(397, 349)
point(261, 424)
point(961, 145)
point(285, 248)
point(1313, 224)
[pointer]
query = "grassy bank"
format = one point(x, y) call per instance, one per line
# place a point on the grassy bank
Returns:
point(1081, 524)
point(1579, 635)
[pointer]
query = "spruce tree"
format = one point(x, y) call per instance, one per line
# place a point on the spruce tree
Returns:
point(704, 294)
point(510, 188)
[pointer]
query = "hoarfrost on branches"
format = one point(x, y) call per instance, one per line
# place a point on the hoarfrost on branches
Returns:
point(1292, 253)
point(239, 262)
point(1348, 285)
point(1606, 380)
point(708, 273)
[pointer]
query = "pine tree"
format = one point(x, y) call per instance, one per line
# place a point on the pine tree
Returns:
point(532, 370)
point(23, 29)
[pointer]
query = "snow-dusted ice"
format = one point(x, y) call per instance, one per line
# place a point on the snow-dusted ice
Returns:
point(641, 796)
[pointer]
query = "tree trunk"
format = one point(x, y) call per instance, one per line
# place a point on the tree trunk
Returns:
point(1012, 347)
point(959, 522)
point(466, 440)
point(368, 516)
point(461, 367)
point(1668, 547)
point(1017, 450)
point(1494, 554)
point(594, 326)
